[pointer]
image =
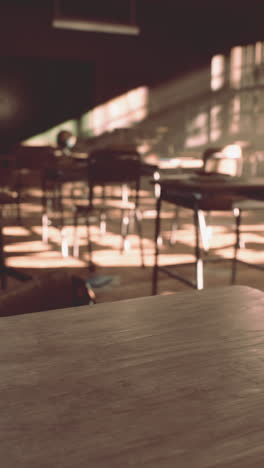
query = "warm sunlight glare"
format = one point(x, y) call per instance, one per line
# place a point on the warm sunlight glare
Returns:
point(197, 131)
point(217, 72)
point(232, 151)
point(119, 112)
point(50, 136)
point(216, 124)
point(236, 66)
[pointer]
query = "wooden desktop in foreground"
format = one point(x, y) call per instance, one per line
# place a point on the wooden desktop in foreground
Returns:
point(164, 381)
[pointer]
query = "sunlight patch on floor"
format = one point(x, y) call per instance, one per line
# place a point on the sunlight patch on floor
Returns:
point(32, 246)
point(49, 259)
point(15, 231)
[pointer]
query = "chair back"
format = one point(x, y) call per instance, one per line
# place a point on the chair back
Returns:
point(219, 161)
point(112, 167)
point(8, 173)
point(34, 157)
point(8, 179)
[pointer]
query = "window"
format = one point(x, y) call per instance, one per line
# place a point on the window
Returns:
point(197, 130)
point(121, 111)
point(236, 67)
point(217, 72)
point(234, 115)
point(216, 122)
point(247, 65)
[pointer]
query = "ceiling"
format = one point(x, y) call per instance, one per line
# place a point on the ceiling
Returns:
point(192, 25)
point(176, 37)
point(202, 26)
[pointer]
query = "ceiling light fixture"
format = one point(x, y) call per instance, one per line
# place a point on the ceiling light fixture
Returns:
point(62, 21)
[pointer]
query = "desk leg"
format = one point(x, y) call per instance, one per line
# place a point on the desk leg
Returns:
point(2, 257)
point(199, 261)
point(203, 230)
point(175, 226)
point(91, 265)
point(138, 218)
point(60, 203)
point(237, 214)
point(5, 270)
point(156, 238)
point(44, 195)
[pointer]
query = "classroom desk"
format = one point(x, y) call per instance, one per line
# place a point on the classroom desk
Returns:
point(203, 192)
point(208, 183)
point(165, 381)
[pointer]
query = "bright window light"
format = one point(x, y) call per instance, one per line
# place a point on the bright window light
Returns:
point(236, 66)
point(217, 72)
point(258, 53)
point(232, 151)
point(121, 111)
point(216, 124)
point(50, 136)
point(235, 114)
point(197, 131)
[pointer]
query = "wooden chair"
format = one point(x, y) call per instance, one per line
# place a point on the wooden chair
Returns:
point(118, 168)
point(197, 203)
point(60, 171)
point(10, 196)
point(37, 167)
point(215, 161)
point(201, 207)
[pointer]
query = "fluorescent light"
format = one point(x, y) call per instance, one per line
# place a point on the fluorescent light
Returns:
point(95, 26)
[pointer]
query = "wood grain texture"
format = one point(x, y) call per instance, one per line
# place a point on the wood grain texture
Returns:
point(164, 381)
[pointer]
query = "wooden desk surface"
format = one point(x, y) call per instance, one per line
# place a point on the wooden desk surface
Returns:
point(205, 184)
point(165, 381)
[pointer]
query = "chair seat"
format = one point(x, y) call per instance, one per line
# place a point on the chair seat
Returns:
point(113, 168)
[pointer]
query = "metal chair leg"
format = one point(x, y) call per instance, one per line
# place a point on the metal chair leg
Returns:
point(199, 261)
point(75, 235)
point(60, 204)
point(3, 274)
point(175, 226)
point(18, 210)
point(44, 196)
point(237, 215)
point(138, 218)
point(132, 219)
point(64, 244)
point(157, 231)
point(102, 222)
point(45, 228)
point(90, 250)
point(124, 231)
point(203, 230)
